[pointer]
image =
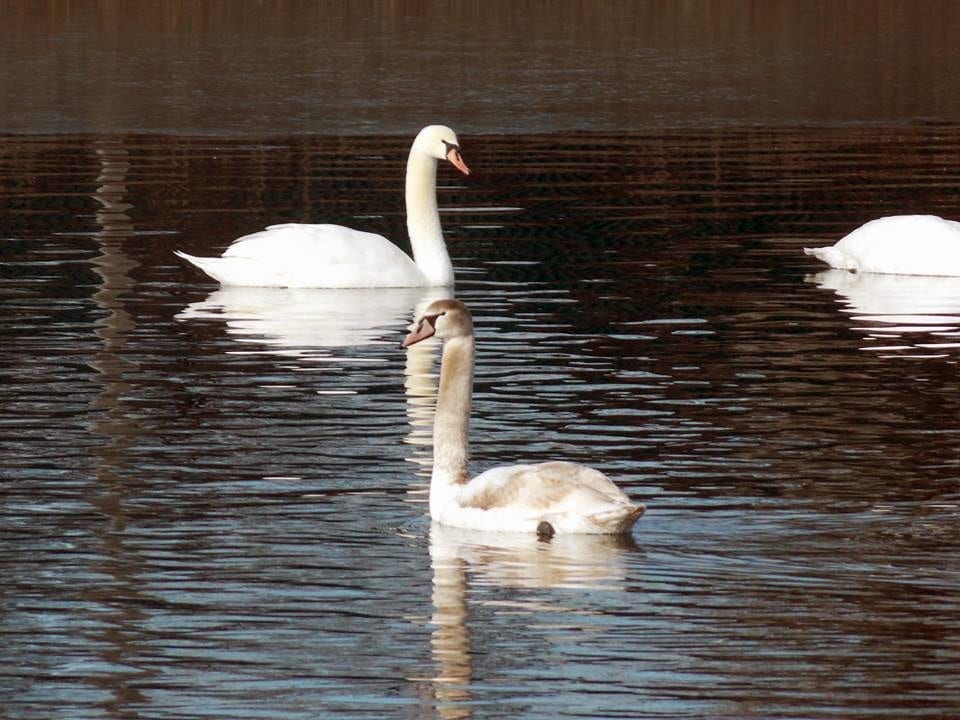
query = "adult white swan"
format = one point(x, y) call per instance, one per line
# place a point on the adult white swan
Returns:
point(552, 497)
point(333, 256)
point(899, 244)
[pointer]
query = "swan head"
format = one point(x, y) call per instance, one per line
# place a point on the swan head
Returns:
point(440, 143)
point(446, 318)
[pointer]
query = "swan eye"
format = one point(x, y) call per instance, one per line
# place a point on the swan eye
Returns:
point(448, 146)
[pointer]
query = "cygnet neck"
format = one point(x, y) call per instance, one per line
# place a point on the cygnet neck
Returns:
point(451, 427)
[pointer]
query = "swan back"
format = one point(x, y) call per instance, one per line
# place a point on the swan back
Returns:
point(573, 498)
point(302, 255)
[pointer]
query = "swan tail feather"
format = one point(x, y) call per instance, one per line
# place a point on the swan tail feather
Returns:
point(833, 257)
point(203, 263)
point(619, 519)
point(214, 267)
point(190, 258)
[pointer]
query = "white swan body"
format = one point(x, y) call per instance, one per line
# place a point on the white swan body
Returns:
point(333, 256)
point(548, 498)
point(899, 244)
point(307, 256)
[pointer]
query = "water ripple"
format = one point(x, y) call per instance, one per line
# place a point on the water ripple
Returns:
point(213, 501)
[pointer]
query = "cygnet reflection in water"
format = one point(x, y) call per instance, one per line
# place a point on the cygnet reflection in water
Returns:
point(469, 567)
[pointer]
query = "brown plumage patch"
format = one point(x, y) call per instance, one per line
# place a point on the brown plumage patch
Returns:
point(542, 486)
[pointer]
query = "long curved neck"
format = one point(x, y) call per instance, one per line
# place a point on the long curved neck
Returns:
point(451, 425)
point(423, 220)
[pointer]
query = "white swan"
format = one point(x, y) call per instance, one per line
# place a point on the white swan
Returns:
point(899, 244)
point(549, 498)
point(333, 256)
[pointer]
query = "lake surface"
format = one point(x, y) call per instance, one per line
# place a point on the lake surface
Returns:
point(213, 501)
point(364, 67)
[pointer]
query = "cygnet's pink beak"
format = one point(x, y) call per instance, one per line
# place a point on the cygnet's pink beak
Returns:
point(424, 329)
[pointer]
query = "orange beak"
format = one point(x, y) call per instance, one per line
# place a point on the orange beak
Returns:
point(453, 155)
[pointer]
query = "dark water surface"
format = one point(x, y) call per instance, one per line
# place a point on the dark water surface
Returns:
point(367, 66)
point(213, 502)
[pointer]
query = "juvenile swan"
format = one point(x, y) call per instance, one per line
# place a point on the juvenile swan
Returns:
point(333, 256)
point(552, 497)
point(898, 244)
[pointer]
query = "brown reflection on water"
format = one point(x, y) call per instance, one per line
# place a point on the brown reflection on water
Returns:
point(113, 421)
point(368, 66)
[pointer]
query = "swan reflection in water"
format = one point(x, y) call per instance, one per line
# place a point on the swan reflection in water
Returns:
point(477, 565)
point(294, 321)
point(898, 313)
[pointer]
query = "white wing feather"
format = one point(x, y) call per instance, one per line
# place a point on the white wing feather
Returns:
point(299, 255)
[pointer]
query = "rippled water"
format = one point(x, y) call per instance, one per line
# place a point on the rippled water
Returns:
point(213, 501)
point(366, 66)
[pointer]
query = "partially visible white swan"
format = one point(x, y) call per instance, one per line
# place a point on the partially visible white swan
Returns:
point(333, 256)
point(899, 244)
point(552, 497)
